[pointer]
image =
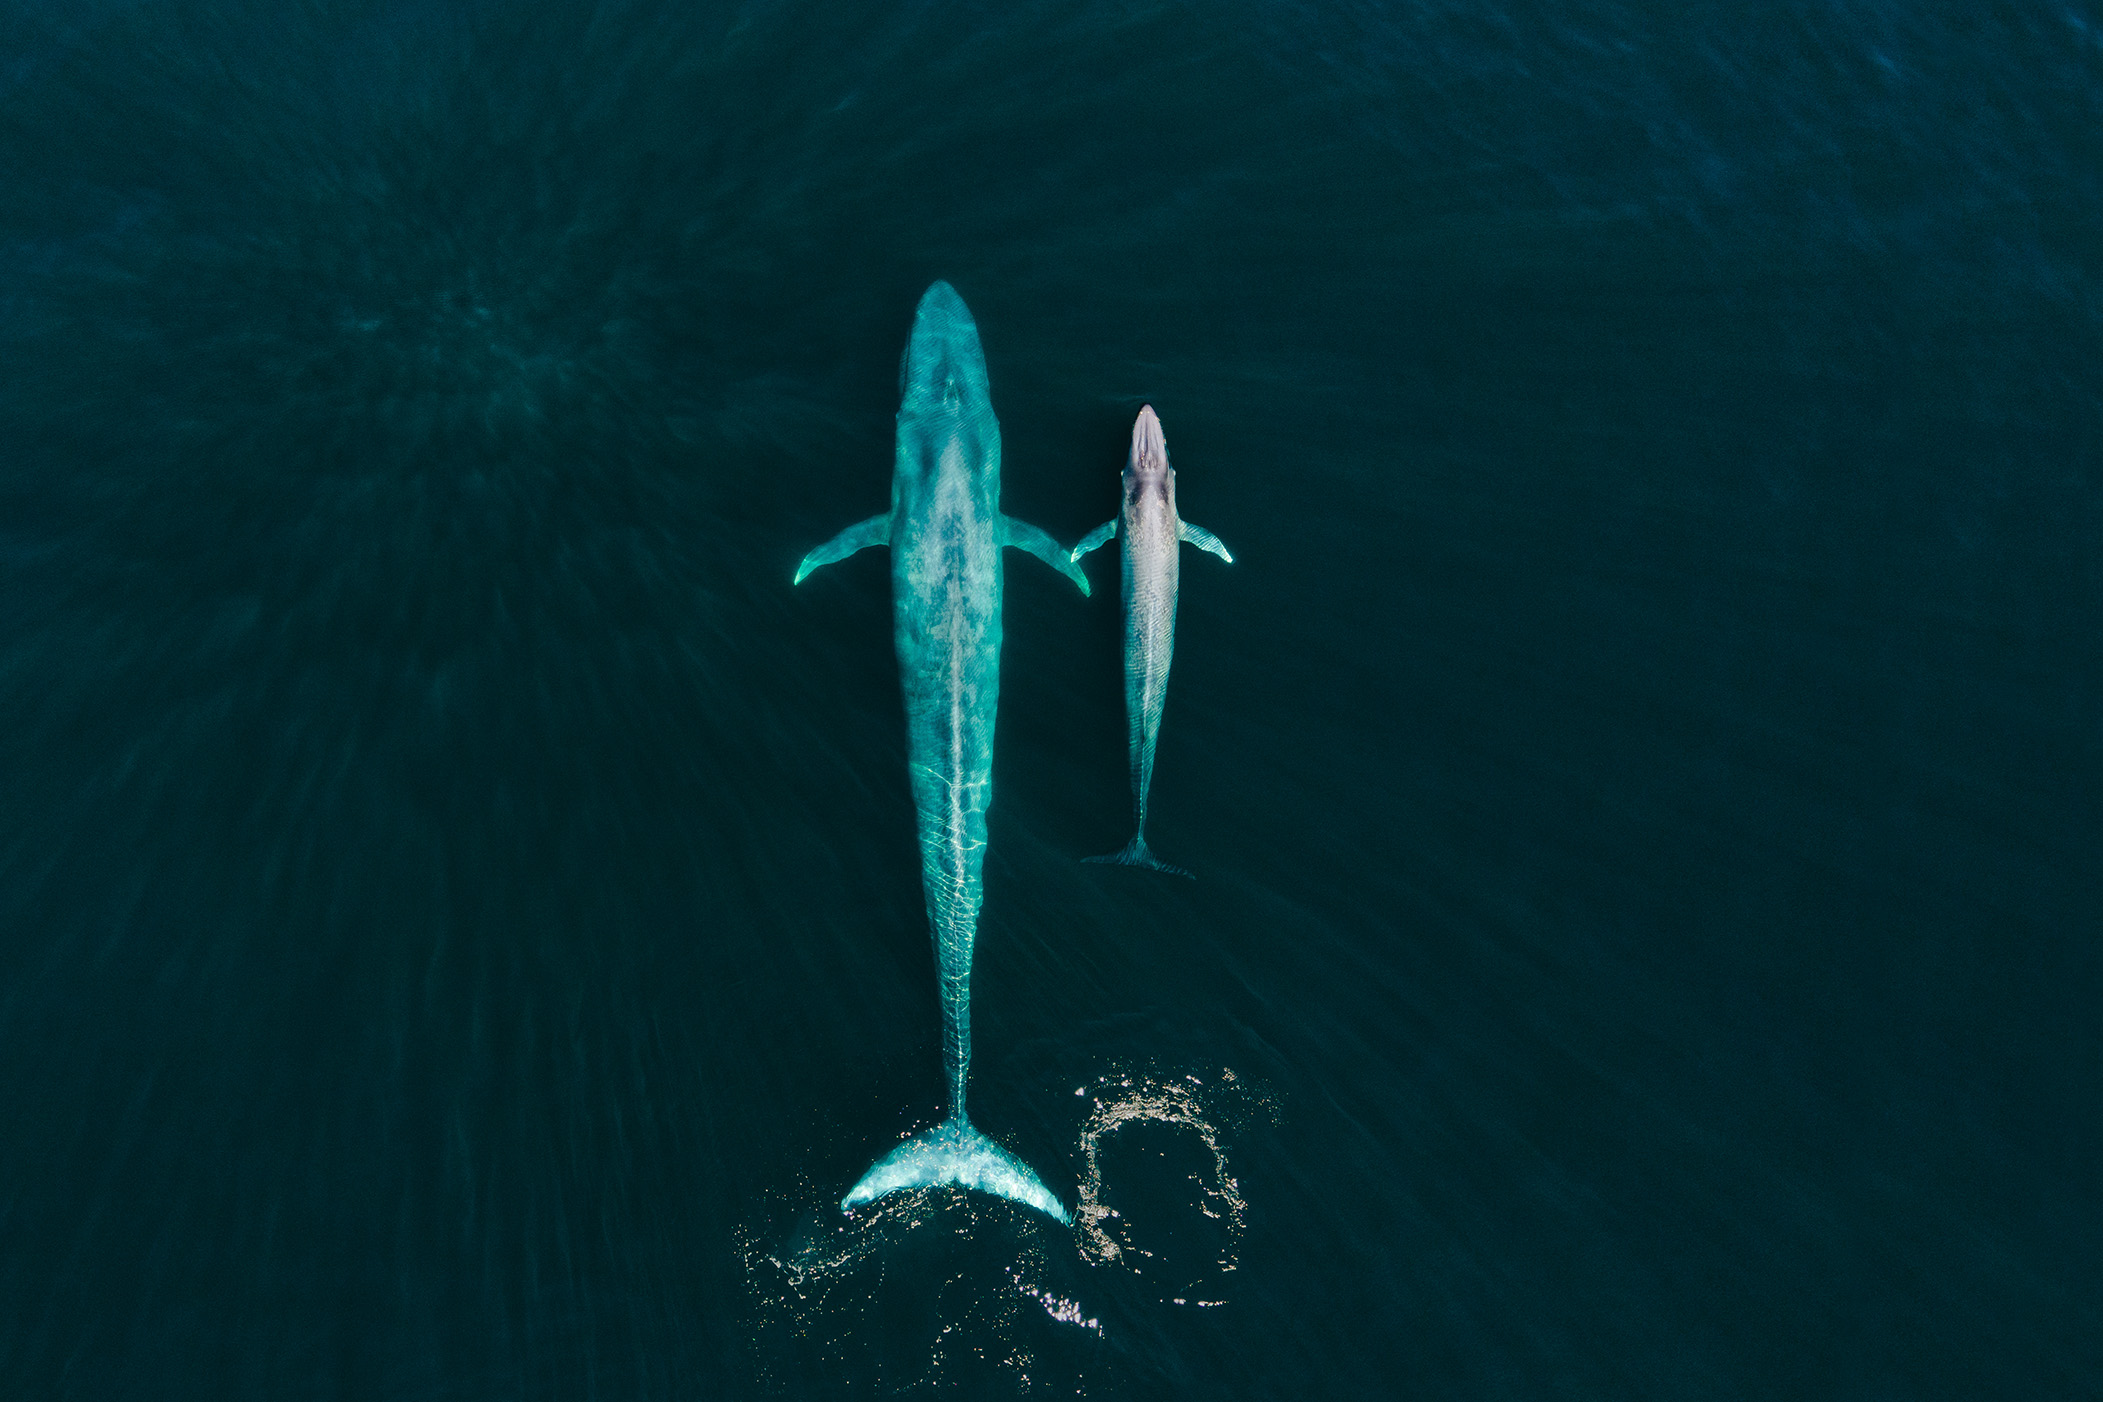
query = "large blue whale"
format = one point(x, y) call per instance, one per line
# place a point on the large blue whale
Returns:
point(945, 531)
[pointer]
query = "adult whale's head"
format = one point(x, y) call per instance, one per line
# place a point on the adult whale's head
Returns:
point(944, 371)
point(1146, 468)
point(946, 428)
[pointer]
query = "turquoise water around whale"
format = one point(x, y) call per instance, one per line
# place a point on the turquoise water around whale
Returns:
point(460, 921)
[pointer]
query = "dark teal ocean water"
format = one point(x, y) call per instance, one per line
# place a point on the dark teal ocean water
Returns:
point(460, 928)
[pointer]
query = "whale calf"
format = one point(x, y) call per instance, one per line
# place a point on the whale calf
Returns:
point(945, 530)
point(1153, 535)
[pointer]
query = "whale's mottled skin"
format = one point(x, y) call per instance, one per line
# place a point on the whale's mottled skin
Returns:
point(1153, 533)
point(945, 531)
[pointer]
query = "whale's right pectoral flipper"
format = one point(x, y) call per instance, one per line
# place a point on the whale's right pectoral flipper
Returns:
point(1024, 536)
point(859, 536)
point(1203, 540)
point(1096, 539)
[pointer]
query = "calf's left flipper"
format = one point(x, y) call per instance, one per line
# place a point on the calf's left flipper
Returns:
point(1203, 540)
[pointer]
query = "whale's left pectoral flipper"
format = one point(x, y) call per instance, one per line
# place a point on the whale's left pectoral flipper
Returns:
point(859, 536)
point(1203, 540)
point(1024, 536)
point(1096, 539)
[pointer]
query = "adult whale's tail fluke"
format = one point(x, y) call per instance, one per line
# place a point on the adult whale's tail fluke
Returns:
point(1136, 854)
point(954, 1153)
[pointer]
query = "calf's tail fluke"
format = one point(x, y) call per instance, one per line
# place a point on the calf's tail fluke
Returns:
point(1136, 854)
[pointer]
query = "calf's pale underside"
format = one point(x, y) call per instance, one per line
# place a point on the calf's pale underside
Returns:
point(1153, 536)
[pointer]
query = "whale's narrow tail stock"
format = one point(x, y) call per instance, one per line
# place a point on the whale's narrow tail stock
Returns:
point(954, 1153)
point(1136, 854)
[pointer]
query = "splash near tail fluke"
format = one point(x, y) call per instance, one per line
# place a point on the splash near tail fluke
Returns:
point(954, 1153)
point(1136, 854)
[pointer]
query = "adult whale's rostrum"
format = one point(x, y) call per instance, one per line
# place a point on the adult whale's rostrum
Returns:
point(1153, 535)
point(945, 531)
